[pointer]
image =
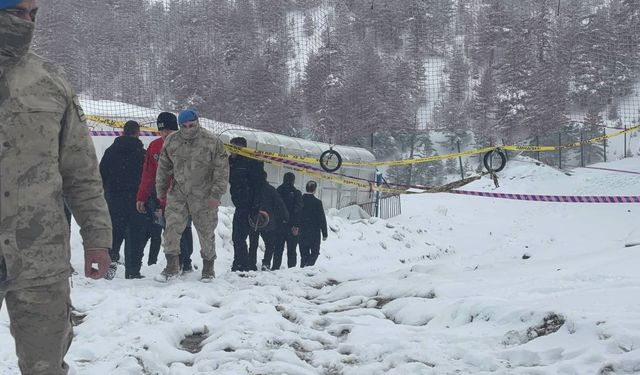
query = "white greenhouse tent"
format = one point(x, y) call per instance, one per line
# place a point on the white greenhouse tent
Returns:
point(333, 195)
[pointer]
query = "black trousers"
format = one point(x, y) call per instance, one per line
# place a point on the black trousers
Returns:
point(130, 227)
point(270, 239)
point(134, 244)
point(154, 233)
point(285, 237)
point(254, 242)
point(186, 246)
point(309, 250)
point(239, 234)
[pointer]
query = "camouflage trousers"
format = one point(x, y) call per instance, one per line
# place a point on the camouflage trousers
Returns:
point(205, 220)
point(40, 322)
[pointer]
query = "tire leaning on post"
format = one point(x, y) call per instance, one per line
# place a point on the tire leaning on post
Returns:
point(330, 155)
point(488, 158)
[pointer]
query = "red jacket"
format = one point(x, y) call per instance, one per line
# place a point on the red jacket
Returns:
point(148, 180)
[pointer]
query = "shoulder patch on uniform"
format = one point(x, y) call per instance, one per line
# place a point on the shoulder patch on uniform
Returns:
point(76, 104)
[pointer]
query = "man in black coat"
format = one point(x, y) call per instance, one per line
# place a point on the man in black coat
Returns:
point(271, 206)
point(292, 198)
point(121, 169)
point(245, 176)
point(313, 223)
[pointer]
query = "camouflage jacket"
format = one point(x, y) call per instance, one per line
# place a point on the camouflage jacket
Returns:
point(46, 158)
point(198, 165)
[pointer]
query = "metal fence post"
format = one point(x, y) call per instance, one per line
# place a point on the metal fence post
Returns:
point(604, 143)
point(560, 150)
point(581, 150)
point(625, 141)
point(378, 183)
point(460, 160)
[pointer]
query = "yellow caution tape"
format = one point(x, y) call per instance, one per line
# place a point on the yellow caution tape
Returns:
point(529, 148)
point(314, 161)
point(114, 123)
point(420, 160)
point(310, 160)
point(303, 159)
point(338, 179)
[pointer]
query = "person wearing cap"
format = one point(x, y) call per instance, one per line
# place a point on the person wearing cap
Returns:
point(148, 203)
point(197, 161)
point(245, 176)
point(121, 168)
point(47, 158)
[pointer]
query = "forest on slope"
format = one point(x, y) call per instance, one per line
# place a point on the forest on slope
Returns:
point(361, 72)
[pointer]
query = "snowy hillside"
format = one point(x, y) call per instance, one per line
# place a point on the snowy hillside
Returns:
point(443, 289)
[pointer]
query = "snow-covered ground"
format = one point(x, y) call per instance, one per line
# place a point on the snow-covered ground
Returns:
point(443, 289)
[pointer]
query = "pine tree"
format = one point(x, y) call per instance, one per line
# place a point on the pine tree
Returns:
point(593, 127)
point(484, 109)
point(451, 166)
point(453, 113)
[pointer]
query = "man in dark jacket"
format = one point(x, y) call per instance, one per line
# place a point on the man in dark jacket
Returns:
point(245, 177)
point(292, 198)
point(271, 206)
point(313, 223)
point(121, 168)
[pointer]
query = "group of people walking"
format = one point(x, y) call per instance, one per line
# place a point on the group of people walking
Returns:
point(281, 216)
point(137, 215)
point(180, 180)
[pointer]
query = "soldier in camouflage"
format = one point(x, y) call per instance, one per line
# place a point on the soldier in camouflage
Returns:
point(46, 155)
point(197, 161)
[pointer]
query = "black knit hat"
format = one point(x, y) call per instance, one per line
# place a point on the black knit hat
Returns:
point(167, 120)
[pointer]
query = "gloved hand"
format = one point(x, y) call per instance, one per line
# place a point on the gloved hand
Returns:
point(101, 258)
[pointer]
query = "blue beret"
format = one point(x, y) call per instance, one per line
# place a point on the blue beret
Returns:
point(187, 115)
point(4, 4)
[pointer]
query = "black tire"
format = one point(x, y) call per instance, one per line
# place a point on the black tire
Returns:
point(489, 157)
point(330, 160)
point(259, 221)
